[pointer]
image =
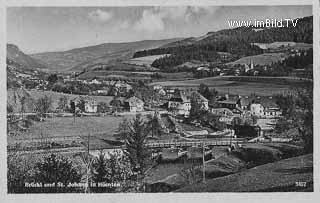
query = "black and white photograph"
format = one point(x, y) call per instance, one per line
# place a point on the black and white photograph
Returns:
point(160, 99)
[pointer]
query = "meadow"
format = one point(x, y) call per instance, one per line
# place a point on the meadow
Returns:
point(224, 85)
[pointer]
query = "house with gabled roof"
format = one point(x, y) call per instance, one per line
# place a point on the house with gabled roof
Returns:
point(134, 104)
point(180, 102)
point(90, 104)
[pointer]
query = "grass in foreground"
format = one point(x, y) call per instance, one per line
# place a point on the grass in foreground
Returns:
point(284, 175)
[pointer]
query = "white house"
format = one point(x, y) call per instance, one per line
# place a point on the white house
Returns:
point(179, 103)
point(257, 109)
point(134, 104)
point(90, 104)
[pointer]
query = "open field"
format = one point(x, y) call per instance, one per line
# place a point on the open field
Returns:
point(262, 59)
point(278, 176)
point(146, 60)
point(224, 85)
point(277, 45)
point(65, 127)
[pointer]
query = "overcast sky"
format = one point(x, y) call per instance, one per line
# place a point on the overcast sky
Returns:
point(38, 29)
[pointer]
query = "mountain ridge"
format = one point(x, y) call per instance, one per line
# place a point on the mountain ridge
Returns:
point(70, 59)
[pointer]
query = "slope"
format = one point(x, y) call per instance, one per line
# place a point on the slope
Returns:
point(25, 61)
point(81, 58)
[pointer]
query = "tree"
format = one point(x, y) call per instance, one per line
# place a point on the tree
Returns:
point(52, 79)
point(63, 103)
point(298, 108)
point(43, 105)
point(55, 169)
point(136, 149)
point(154, 124)
point(123, 129)
point(102, 107)
point(196, 110)
point(114, 169)
point(99, 169)
point(282, 125)
point(19, 173)
point(81, 105)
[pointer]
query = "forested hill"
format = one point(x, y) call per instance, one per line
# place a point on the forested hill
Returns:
point(236, 41)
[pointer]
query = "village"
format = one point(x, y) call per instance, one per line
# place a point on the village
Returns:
point(228, 111)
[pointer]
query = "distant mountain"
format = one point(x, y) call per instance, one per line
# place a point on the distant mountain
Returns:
point(82, 58)
point(302, 33)
point(239, 42)
point(23, 61)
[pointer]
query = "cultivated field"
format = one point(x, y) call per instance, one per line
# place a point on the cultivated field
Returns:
point(262, 59)
point(223, 85)
point(277, 45)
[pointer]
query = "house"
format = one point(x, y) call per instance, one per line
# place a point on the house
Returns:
point(261, 106)
point(102, 91)
point(90, 104)
point(229, 102)
point(257, 109)
point(197, 97)
point(271, 109)
point(118, 103)
point(95, 81)
point(134, 104)
point(179, 103)
point(123, 87)
point(157, 87)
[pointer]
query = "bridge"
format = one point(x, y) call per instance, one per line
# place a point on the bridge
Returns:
point(184, 143)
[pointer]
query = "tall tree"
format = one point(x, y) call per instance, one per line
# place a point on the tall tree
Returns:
point(154, 124)
point(43, 105)
point(136, 149)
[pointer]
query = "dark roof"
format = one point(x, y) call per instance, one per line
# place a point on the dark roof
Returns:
point(227, 102)
point(199, 97)
point(179, 96)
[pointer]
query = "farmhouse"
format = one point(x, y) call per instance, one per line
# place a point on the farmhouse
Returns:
point(134, 104)
point(197, 97)
point(231, 103)
point(179, 103)
point(123, 87)
point(90, 104)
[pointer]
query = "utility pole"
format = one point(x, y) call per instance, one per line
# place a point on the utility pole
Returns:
point(203, 163)
point(87, 189)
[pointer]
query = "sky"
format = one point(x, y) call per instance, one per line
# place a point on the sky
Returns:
point(43, 29)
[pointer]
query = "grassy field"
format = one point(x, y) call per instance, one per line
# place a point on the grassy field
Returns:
point(262, 59)
point(223, 85)
point(146, 60)
point(65, 126)
point(277, 176)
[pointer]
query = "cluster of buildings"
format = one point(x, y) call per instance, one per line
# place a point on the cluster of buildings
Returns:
point(260, 106)
point(132, 104)
point(228, 106)
point(180, 103)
